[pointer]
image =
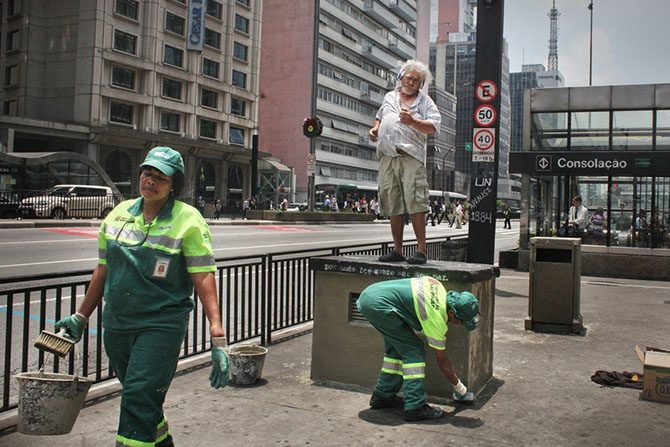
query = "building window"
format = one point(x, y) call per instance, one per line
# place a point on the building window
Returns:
point(173, 56)
point(240, 51)
point(241, 24)
point(12, 8)
point(236, 136)
point(13, 40)
point(209, 98)
point(125, 42)
point(244, 2)
point(9, 107)
point(170, 121)
point(174, 23)
point(207, 128)
point(210, 68)
point(171, 88)
point(127, 8)
point(123, 77)
point(238, 107)
point(11, 75)
point(239, 79)
point(214, 9)
point(121, 113)
point(212, 38)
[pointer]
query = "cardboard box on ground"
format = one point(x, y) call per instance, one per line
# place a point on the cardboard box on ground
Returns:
point(656, 382)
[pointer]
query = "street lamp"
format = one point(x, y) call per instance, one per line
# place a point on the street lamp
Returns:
point(590, 7)
point(444, 159)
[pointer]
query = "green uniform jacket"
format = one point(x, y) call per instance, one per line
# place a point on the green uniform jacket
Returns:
point(149, 265)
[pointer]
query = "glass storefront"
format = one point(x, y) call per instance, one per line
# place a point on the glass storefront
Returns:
point(614, 157)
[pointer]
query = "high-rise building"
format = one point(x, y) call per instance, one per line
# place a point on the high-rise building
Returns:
point(520, 81)
point(355, 58)
point(440, 154)
point(112, 78)
point(453, 64)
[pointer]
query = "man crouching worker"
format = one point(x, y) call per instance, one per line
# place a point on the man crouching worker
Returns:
point(397, 309)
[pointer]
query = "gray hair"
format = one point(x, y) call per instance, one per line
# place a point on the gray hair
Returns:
point(419, 67)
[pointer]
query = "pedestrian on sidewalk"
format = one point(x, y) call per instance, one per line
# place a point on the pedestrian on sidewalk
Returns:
point(152, 252)
point(398, 309)
point(507, 215)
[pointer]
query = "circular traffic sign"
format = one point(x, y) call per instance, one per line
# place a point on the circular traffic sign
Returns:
point(485, 115)
point(311, 159)
point(483, 139)
point(486, 91)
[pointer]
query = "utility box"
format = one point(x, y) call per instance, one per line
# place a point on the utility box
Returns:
point(554, 289)
point(346, 349)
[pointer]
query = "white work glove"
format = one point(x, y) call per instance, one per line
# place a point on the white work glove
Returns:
point(460, 389)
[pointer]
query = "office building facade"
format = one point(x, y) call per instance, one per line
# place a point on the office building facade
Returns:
point(354, 61)
point(111, 79)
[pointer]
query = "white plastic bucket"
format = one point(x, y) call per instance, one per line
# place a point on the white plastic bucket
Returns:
point(246, 364)
point(49, 403)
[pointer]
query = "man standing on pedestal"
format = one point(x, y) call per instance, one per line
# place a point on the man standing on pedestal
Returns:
point(402, 125)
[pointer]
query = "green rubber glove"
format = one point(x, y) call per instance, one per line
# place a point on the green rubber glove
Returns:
point(74, 326)
point(220, 363)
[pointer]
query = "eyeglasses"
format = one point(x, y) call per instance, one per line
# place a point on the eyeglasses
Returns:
point(149, 175)
point(411, 79)
point(124, 244)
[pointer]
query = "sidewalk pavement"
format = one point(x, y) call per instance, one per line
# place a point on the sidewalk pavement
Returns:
point(541, 393)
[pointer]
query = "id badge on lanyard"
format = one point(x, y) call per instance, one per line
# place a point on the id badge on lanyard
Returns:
point(161, 268)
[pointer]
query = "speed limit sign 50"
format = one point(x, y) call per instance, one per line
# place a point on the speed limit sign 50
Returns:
point(485, 115)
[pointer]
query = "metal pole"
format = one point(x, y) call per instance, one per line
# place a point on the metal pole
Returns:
point(591, 46)
point(315, 70)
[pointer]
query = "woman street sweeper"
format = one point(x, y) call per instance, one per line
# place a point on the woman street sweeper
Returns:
point(397, 309)
point(152, 251)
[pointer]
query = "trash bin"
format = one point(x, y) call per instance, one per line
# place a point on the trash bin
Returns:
point(554, 286)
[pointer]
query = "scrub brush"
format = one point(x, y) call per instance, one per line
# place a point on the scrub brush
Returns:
point(58, 344)
point(467, 398)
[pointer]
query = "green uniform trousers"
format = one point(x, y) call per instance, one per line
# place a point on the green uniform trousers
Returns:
point(145, 363)
point(404, 355)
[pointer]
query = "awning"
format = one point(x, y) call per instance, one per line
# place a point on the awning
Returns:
point(273, 164)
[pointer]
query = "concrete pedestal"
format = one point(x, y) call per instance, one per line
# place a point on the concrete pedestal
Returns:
point(347, 349)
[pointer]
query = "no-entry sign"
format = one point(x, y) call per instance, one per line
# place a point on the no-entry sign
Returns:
point(486, 91)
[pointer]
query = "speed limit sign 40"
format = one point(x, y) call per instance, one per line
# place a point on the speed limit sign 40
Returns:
point(483, 139)
point(485, 115)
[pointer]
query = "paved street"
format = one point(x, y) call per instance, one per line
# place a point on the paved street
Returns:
point(28, 250)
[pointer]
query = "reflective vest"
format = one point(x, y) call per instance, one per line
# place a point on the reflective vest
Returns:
point(430, 305)
point(149, 265)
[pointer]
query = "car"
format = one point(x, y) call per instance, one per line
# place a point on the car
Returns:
point(61, 201)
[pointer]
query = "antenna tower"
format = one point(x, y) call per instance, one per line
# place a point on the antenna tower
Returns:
point(552, 63)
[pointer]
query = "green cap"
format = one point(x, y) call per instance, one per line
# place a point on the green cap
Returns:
point(165, 159)
point(465, 307)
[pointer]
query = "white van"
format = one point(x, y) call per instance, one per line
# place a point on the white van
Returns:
point(61, 201)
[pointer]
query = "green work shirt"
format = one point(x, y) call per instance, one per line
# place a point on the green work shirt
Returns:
point(149, 265)
point(420, 302)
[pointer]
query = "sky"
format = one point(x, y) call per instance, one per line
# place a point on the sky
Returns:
point(631, 39)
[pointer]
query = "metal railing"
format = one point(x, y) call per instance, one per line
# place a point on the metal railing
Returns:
point(258, 295)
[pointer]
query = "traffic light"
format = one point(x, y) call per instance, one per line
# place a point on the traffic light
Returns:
point(312, 127)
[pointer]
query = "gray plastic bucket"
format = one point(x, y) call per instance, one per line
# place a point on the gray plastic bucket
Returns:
point(246, 364)
point(49, 403)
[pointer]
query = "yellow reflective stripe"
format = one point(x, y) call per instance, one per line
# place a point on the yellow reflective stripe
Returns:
point(162, 432)
point(435, 343)
point(199, 261)
point(122, 441)
point(414, 370)
point(392, 366)
point(421, 299)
